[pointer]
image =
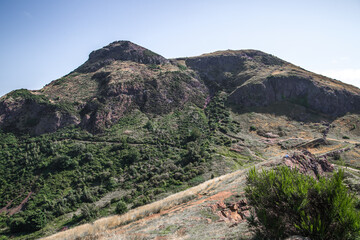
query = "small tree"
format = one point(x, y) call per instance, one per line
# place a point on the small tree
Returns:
point(121, 208)
point(130, 156)
point(89, 212)
point(194, 135)
point(36, 220)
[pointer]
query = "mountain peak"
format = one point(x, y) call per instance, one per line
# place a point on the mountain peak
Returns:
point(120, 51)
point(237, 56)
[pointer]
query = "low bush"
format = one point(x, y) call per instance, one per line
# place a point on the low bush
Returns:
point(89, 212)
point(252, 128)
point(121, 208)
point(287, 203)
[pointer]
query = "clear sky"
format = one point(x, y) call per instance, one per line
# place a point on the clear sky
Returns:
point(42, 40)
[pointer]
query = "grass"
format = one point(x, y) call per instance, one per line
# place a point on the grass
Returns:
point(207, 213)
point(169, 229)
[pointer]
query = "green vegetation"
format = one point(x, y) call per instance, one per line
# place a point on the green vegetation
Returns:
point(89, 212)
point(156, 129)
point(27, 95)
point(71, 169)
point(153, 67)
point(27, 221)
point(149, 53)
point(182, 67)
point(252, 128)
point(287, 203)
point(219, 115)
point(121, 208)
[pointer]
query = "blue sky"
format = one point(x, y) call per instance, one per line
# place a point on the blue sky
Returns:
point(42, 40)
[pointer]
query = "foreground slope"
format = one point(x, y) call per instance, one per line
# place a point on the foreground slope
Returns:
point(215, 209)
point(131, 126)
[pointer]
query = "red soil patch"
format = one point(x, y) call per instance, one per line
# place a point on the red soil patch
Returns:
point(217, 197)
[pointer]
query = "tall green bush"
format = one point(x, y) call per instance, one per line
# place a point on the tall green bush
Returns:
point(121, 208)
point(286, 203)
point(29, 222)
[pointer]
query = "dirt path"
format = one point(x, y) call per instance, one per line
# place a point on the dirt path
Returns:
point(343, 140)
point(347, 168)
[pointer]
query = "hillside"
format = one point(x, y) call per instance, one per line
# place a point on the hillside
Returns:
point(132, 127)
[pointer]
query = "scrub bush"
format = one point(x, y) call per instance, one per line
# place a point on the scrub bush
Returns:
point(286, 202)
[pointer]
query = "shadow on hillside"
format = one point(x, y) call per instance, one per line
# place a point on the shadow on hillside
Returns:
point(290, 110)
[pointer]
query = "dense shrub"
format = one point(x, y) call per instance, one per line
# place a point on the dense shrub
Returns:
point(89, 212)
point(64, 162)
point(16, 224)
point(3, 220)
point(130, 156)
point(35, 220)
point(194, 135)
point(121, 208)
point(287, 203)
point(29, 222)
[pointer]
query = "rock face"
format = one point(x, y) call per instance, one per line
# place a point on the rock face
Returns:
point(25, 115)
point(159, 95)
point(307, 163)
point(253, 78)
point(297, 89)
point(227, 70)
point(120, 51)
point(124, 76)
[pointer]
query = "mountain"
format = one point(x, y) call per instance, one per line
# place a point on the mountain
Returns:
point(130, 127)
point(123, 76)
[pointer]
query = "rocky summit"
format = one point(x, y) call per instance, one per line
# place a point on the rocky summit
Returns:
point(144, 147)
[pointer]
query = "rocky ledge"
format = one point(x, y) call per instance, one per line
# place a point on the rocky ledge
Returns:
point(123, 51)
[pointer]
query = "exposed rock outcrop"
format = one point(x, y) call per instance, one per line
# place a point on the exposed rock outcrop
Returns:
point(232, 213)
point(307, 163)
point(155, 96)
point(253, 78)
point(297, 89)
point(120, 51)
point(29, 115)
point(226, 70)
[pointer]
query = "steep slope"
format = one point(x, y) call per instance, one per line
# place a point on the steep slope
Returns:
point(116, 79)
point(253, 78)
point(29, 112)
